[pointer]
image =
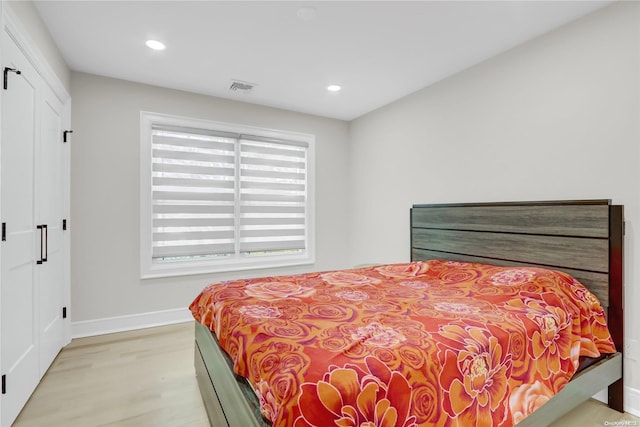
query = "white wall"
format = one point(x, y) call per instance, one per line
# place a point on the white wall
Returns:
point(104, 223)
point(557, 118)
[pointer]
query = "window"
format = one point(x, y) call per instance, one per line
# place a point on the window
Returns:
point(222, 197)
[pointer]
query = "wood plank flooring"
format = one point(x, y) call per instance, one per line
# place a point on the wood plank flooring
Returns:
point(139, 378)
point(146, 378)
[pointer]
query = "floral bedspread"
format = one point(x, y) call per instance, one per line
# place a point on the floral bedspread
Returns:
point(432, 343)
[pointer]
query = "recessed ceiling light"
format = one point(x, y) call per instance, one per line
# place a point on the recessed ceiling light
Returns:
point(334, 88)
point(155, 45)
point(307, 13)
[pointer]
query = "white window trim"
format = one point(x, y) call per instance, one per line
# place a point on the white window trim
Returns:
point(148, 269)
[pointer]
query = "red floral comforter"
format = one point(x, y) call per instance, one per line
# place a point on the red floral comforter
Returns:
point(431, 343)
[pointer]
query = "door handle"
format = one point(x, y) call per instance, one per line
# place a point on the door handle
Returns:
point(39, 227)
point(46, 243)
point(7, 70)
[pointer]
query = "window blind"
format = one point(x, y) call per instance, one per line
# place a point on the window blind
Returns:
point(218, 194)
point(193, 193)
point(273, 192)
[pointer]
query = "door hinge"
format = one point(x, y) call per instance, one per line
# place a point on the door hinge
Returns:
point(64, 224)
point(4, 231)
point(4, 384)
point(64, 312)
point(6, 71)
point(64, 135)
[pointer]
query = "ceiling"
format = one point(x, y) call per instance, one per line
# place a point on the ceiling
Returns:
point(378, 51)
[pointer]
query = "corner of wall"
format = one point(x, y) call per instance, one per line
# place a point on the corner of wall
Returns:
point(36, 33)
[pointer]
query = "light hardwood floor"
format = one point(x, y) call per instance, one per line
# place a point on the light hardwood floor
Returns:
point(139, 378)
point(146, 378)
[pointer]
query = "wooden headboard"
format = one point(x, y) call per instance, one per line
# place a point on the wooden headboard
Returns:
point(583, 238)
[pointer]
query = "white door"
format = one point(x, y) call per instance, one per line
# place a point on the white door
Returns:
point(19, 358)
point(49, 214)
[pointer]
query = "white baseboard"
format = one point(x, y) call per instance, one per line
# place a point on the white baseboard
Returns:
point(632, 401)
point(602, 396)
point(87, 328)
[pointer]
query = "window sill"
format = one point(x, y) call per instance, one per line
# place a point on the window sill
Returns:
point(155, 271)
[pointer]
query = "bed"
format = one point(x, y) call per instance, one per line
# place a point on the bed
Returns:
point(549, 241)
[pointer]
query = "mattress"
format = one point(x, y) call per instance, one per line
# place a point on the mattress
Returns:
point(425, 343)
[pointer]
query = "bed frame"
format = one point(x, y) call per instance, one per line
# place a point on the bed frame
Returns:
point(583, 238)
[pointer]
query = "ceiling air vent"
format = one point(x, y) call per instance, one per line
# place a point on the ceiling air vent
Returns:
point(240, 86)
